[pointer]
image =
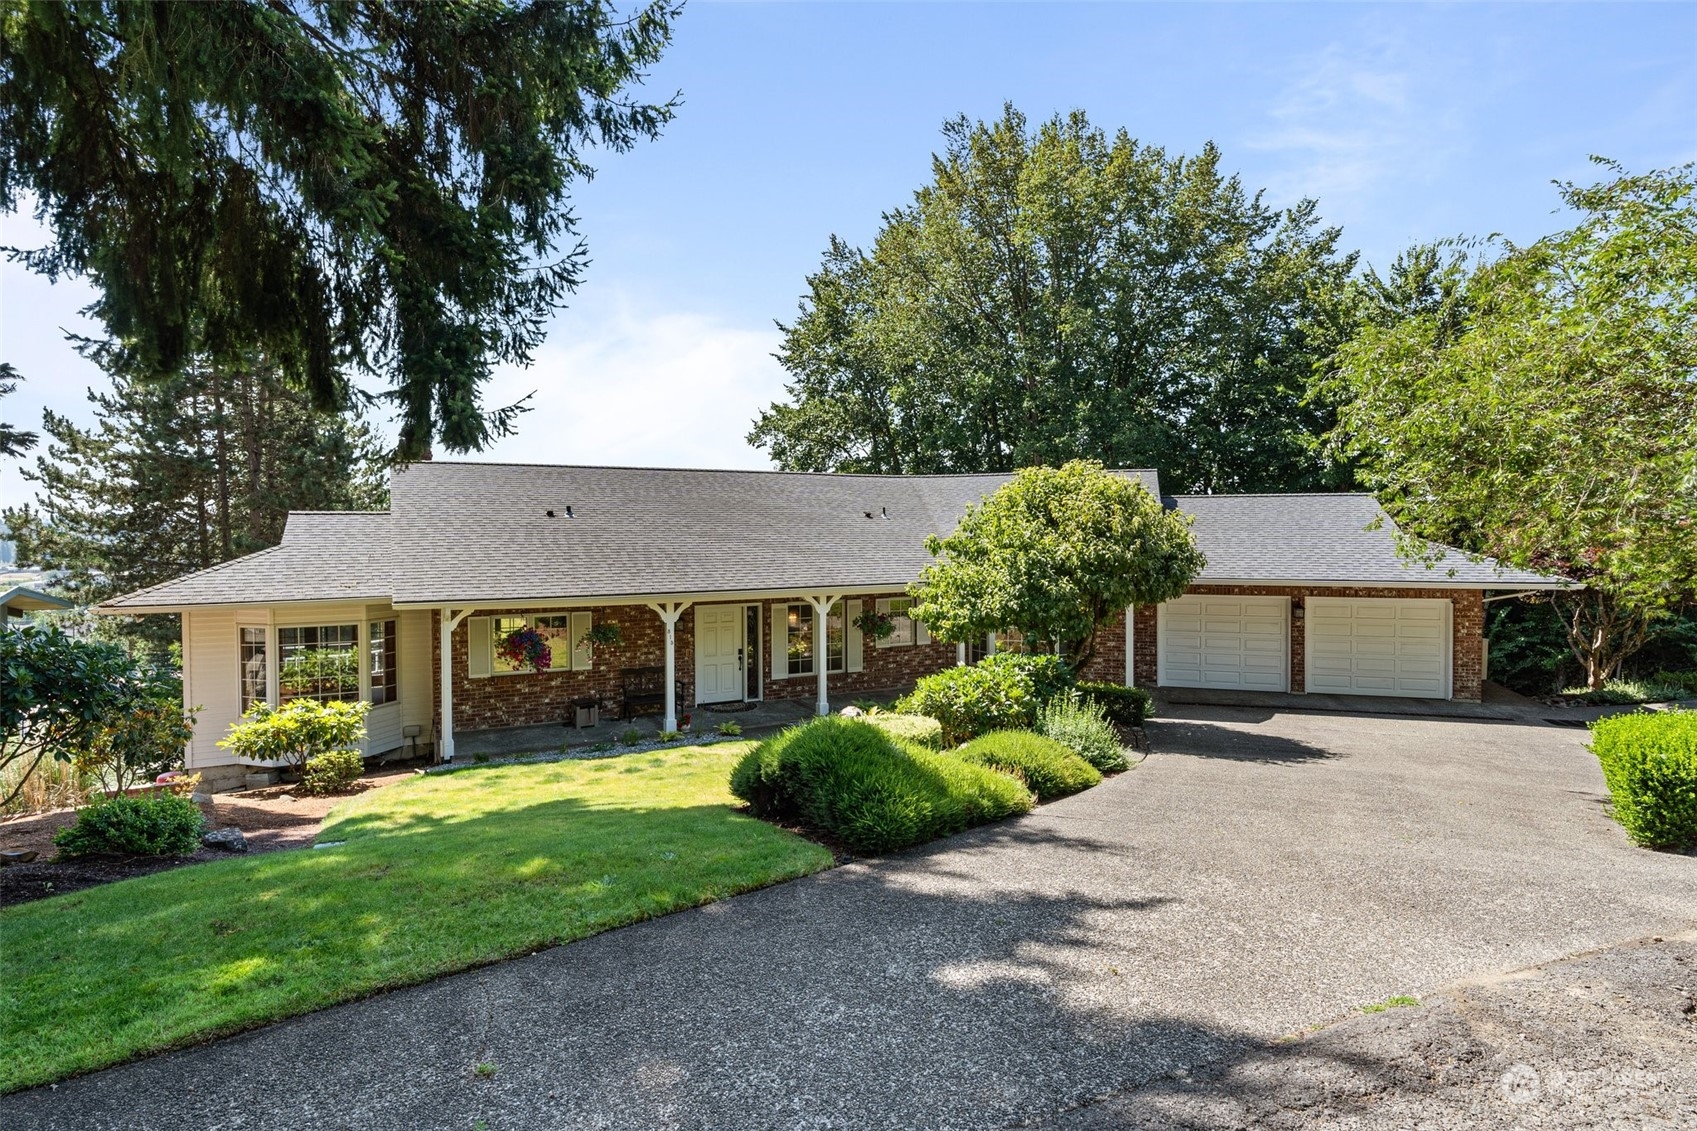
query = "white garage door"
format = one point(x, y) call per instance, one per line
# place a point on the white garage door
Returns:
point(1360, 646)
point(1226, 642)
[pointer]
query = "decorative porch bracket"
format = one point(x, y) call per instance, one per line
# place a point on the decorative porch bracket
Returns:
point(822, 603)
point(669, 612)
point(450, 620)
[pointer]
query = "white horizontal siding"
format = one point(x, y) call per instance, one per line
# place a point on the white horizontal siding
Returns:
point(211, 662)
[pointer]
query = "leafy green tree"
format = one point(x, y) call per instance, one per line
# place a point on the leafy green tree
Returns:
point(181, 473)
point(1056, 553)
point(13, 442)
point(360, 183)
point(1551, 420)
point(1060, 294)
point(58, 696)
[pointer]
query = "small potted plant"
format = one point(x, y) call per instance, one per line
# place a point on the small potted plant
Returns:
point(876, 625)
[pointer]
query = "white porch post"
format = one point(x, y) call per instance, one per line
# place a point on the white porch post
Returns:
point(1130, 645)
point(450, 621)
point(822, 603)
point(669, 612)
point(960, 654)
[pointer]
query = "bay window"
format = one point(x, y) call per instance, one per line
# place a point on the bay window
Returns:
point(319, 662)
point(255, 672)
point(381, 654)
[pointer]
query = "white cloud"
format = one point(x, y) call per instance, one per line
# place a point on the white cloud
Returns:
point(1351, 118)
point(620, 384)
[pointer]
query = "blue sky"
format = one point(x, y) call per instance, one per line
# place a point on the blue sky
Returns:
point(1406, 122)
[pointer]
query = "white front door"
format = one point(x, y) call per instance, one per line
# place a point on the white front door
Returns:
point(1224, 642)
point(718, 653)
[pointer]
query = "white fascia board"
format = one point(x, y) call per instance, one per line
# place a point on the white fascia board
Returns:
point(711, 596)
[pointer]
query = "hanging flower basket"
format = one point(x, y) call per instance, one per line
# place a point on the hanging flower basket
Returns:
point(877, 625)
point(526, 648)
point(606, 635)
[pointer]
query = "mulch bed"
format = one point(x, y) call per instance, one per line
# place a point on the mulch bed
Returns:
point(271, 819)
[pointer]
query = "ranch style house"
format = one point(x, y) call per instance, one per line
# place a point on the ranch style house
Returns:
point(745, 585)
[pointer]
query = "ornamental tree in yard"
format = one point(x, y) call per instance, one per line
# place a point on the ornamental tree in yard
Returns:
point(1551, 421)
point(1057, 553)
point(59, 696)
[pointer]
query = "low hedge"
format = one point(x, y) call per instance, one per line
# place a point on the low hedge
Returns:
point(1649, 761)
point(855, 783)
point(160, 823)
point(1126, 706)
point(922, 729)
point(1050, 769)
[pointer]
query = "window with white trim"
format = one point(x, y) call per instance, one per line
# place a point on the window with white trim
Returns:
point(802, 640)
point(381, 649)
point(255, 675)
point(564, 633)
point(318, 662)
point(906, 629)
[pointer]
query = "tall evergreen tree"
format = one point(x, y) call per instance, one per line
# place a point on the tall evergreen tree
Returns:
point(348, 185)
point(1061, 294)
point(183, 472)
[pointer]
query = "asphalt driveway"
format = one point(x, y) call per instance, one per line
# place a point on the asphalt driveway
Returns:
point(1261, 872)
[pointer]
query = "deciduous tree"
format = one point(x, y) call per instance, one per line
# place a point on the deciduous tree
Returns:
point(1061, 294)
point(1552, 424)
point(1056, 553)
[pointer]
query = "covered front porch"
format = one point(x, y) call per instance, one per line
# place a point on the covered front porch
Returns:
point(764, 659)
point(755, 719)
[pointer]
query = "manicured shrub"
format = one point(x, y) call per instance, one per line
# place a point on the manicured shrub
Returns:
point(1044, 676)
point(1649, 761)
point(1124, 706)
point(334, 772)
point(160, 823)
point(296, 732)
point(969, 701)
point(1082, 726)
point(1000, 692)
point(855, 783)
point(920, 729)
point(1050, 769)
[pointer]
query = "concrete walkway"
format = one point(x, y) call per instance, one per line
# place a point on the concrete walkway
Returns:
point(1261, 872)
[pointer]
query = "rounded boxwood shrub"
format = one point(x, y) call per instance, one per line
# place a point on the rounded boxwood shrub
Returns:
point(1124, 706)
point(921, 729)
point(1050, 769)
point(1000, 692)
point(335, 771)
point(1082, 726)
point(856, 784)
point(1649, 762)
point(160, 823)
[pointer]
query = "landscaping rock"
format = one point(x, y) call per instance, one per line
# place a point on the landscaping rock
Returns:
point(226, 840)
point(852, 712)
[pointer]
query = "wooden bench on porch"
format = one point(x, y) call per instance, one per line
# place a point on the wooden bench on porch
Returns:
point(644, 691)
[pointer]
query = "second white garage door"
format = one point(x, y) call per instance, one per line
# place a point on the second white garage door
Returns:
point(1227, 642)
point(1364, 646)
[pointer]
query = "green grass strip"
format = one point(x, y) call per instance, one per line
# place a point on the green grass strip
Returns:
point(437, 874)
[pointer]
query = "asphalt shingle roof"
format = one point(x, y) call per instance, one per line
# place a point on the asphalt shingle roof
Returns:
point(1322, 539)
point(478, 532)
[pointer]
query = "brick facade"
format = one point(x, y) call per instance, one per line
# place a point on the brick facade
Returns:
point(528, 698)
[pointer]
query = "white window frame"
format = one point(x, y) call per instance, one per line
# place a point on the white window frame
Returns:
point(359, 646)
point(245, 703)
point(840, 610)
point(389, 631)
point(571, 658)
point(904, 623)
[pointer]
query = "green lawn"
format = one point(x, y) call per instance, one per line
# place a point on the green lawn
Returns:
point(438, 874)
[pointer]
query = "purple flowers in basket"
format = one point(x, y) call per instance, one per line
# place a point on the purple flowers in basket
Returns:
point(526, 648)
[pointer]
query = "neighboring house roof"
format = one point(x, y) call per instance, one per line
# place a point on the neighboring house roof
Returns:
point(1324, 539)
point(463, 533)
point(21, 599)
